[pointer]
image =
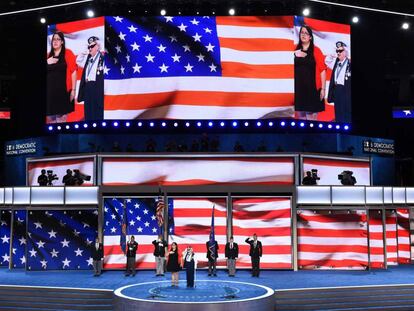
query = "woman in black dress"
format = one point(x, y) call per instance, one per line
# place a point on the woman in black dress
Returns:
point(174, 263)
point(310, 77)
point(61, 80)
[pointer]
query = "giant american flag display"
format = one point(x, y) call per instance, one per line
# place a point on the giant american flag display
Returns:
point(18, 251)
point(376, 239)
point(5, 230)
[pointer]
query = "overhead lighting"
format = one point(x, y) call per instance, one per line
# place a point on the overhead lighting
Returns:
point(355, 19)
point(43, 20)
point(232, 11)
point(405, 26)
point(163, 12)
point(90, 13)
point(306, 12)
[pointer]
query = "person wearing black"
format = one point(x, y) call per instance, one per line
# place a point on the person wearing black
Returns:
point(255, 254)
point(212, 254)
point(189, 263)
point(131, 249)
point(160, 247)
point(42, 179)
point(231, 253)
point(91, 88)
point(68, 179)
point(174, 264)
point(97, 256)
point(308, 180)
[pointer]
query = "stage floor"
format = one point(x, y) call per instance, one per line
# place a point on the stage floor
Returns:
point(274, 279)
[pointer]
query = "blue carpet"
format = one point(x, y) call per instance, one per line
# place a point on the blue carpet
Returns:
point(273, 279)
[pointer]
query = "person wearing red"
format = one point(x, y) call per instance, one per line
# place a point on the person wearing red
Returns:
point(310, 76)
point(61, 80)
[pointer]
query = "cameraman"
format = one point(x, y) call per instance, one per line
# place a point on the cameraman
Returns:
point(51, 177)
point(68, 179)
point(42, 179)
point(347, 178)
point(310, 179)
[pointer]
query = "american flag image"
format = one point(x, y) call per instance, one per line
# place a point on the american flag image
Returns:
point(61, 240)
point(5, 228)
point(332, 240)
point(170, 66)
point(391, 237)
point(270, 219)
point(160, 211)
point(141, 221)
point(403, 227)
point(376, 239)
point(18, 254)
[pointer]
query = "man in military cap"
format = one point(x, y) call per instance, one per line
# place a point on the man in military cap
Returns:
point(339, 91)
point(91, 89)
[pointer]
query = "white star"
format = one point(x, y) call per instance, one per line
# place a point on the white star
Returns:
point(78, 252)
point(113, 216)
point(122, 36)
point(40, 244)
point(182, 27)
point(23, 260)
point(131, 212)
point(85, 225)
point(137, 68)
point(146, 224)
point(66, 262)
point(128, 200)
point(52, 234)
point(173, 38)
point(168, 19)
point(407, 112)
point(122, 70)
point(54, 253)
point(14, 251)
point(176, 58)
point(147, 38)
point(44, 263)
point(33, 253)
point(128, 58)
point(90, 261)
point(106, 70)
point(145, 211)
point(186, 48)
point(200, 57)
point(65, 243)
point(197, 37)
point(3, 223)
point(38, 225)
point(5, 239)
point(106, 209)
point(132, 28)
point(195, 22)
point(163, 68)
point(153, 217)
point(76, 233)
point(136, 205)
point(150, 58)
point(135, 46)
point(118, 19)
point(154, 229)
point(161, 48)
point(6, 258)
point(207, 30)
point(113, 230)
point(188, 68)
point(210, 48)
point(132, 223)
point(139, 229)
point(88, 242)
point(106, 223)
point(118, 49)
point(138, 218)
point(22, 241)
point(213, 68)
point(20, 221)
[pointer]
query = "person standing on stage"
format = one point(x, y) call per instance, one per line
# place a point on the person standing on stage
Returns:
point(255, 254)
point(97, 256)
point(231, 253)
point(339, 91)
point(131, 252)
point(160, 249)
point(174, 263)
point(190, 264)
point(91, 88)
point(212, 254)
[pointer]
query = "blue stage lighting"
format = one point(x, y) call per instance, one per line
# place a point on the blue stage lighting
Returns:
point(187, 124)
point(246, 123)
point(301, 124)
point(175, 124)
point(293, 123)
point(85, 125)
point(283, 123)
point(59, 127)
point(139, 124)
point(67, 127)
point(50, 128)
point(198, 124)
point(259, 123)
point(210, 124)
point(311, 125)
point(337, 127)
point(115, 124)
point(320, 125)
point(346, 127)
point(151, 124)
point(76, 126)
point(163, 124)
point(127, 124)
point(103, 124)
point(270, 123)
point(94, 124)
point(222, 124)
point(329, 126)
point(234, 123)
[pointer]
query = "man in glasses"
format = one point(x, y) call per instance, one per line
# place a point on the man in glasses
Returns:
point(339, 91)
point(91, 89)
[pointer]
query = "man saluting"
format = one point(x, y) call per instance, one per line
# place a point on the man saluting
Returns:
point(255, 254)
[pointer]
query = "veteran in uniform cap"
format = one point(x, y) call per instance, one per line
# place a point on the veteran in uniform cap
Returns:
point(91, 89)
point(339, 91)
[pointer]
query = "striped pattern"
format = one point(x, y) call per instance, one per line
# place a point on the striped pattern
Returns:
point(197, 171)
point(403, 227)
point(192, 223)
point(257, 78)
point(376, 239)
point(332, 240)
point(270, 219)
point(391, 238)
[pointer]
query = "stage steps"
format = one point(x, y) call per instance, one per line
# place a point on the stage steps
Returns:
point(352, 298)
point(30, 298)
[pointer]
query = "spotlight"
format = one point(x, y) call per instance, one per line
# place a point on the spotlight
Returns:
point(293, 123)
point(90, 13)
point(283, 123)
point(139, 124)
point(152, 124)
point(67, 127)
point(232, 11)
point(116, 124)
point(198, 13)
point(210, 124)
point(329, 126)
point(103, 124)
point(175, 124)
point(405, 26)
point(306, 12)
point(355, 19)
point(270, 123)
point(179, 12)
point(50, 128)
point(163, 12)
point(337, 127)
point(59, 127)
point(85, 125)
point(346, 127)
point(43, 20)
point(302, 124)
point(198, 124)
point(246, 123)
point(163, 124)
point(222, 124)
point(127, 124)
point(259, 123)
point(76, 126)
point(234, 124)
point(311, 125)
point(213, 13)
point(94, 124)
point(187, 124)
point(320, 125)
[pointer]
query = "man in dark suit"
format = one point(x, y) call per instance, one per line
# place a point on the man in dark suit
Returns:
point(255, 254)
point(212, 254)
point(91, 88)
point(131, 251)
point(160, 247)
point(339, 91)
point(97, 256)
point(231, 253)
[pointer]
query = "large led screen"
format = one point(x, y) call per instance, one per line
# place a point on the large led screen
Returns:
point(244, 67)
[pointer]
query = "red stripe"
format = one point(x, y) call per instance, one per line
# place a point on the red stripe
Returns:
point(252, 159)
point(239, 70)
point(199, 230)
point(197, 212)
point(197, 98)
point(319, 25)
point(243, 215)
point(346, 263)
point(263, 232)
point(194, 182)
point(330, 233)
point(81, 25)
point(257, 44)
point(377, 250)
point(256, 21)
point(333, 218)
point(269, 249)
point(241, 202)
point(332, 162)
point(312, 248)
point(376, 236)
point(43, 164)
point(141, 265)
point(266, 265)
